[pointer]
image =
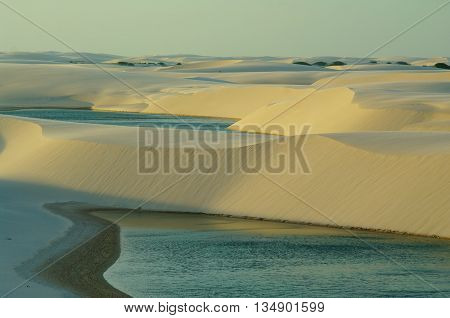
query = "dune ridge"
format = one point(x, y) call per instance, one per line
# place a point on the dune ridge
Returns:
point(353, 186)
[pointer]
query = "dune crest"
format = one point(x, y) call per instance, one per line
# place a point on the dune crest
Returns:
point(351, 185)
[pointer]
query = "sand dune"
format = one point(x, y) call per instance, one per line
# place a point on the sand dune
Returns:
point(76, 86)
point(431, 61)
point(398, 142)
point(205, 65)
point(358, 78)
point(243, 66)
point(381, 67)
point(226, 101)
point(364, 186)
point(379, 145)
point(277, 78)
point(53, 57)
point(379, 148)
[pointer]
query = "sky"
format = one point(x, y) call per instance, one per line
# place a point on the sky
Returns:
point(228, 27)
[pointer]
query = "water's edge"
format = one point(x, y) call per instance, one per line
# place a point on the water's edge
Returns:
point(88, 263)
point(87, 250)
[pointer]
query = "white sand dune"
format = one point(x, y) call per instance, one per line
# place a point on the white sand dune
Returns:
point(381, 67)
point(236, 66)
point(53, 57)
point(75, 86)
point(305, 77)
point(367, 181)
point(379, 146)
point(225, 101)
point(195, 66)
point(358, 78)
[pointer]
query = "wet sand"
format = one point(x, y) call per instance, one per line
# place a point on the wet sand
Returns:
point(146, 219)
point(97, 247)
point(197, 221)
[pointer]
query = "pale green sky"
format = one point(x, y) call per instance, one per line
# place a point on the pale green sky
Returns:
point(228, 27)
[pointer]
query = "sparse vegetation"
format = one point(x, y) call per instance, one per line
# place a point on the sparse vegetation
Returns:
point(123, 63)
point(320, 63)
point(442, 65)
point(336, 63)
point(80, 62)
point(301, 63)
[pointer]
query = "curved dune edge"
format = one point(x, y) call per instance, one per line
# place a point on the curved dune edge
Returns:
point(81, 270)
point(363, 102)
point(351, 186)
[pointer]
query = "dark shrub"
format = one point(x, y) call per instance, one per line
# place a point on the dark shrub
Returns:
point(442, 65)
point(320, 64)
point(178, 63)
point(125, 63)
point(301, 63)
point(336, 63)
point(402, 63)
point(373, 62)
point(80, 62)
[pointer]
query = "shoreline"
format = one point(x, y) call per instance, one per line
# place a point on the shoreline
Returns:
point(16, 108)
point(81, 270)
point(347, 229)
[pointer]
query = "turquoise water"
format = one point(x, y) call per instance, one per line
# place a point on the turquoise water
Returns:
point(187, 263)
point(124, 119)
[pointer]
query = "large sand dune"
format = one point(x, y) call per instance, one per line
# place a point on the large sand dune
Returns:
point(387, 181)
point(379, 145)
point(383, 122)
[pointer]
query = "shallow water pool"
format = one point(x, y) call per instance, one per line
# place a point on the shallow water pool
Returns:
point(124, 119)
point(216, 262)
